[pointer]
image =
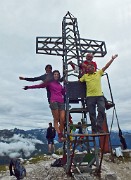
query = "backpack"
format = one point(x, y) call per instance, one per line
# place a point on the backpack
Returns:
point(59, 162)
point(19, 169)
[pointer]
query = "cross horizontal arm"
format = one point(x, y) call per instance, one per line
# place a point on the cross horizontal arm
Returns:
point(49, 46)
point(54, 46)
point(98, 48)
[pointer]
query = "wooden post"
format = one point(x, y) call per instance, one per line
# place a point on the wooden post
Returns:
point(107, 147)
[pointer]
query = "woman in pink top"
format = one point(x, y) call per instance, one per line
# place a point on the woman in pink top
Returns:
point(57, 104)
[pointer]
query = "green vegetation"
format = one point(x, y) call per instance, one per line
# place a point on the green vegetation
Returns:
point(38, 158)
point(2, 168)
point(59, 151)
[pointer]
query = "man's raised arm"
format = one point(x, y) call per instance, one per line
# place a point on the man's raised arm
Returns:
point(110, 62)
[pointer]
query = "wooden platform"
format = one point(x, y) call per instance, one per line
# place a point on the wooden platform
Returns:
point(88, 135)
point(82, 125)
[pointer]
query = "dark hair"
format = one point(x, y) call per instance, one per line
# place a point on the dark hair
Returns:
point(48, 66)
point(50, 124)
point(56, 71)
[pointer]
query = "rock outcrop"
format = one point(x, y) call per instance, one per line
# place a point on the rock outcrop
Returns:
point(118, 170)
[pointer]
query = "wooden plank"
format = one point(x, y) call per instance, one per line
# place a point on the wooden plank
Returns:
point(88, 135)
point(107, 146)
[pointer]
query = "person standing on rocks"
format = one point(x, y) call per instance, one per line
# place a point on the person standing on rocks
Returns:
point(50, 135)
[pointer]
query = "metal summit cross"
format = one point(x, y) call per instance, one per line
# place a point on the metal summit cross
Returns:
point(73, 48)
point(70, 46)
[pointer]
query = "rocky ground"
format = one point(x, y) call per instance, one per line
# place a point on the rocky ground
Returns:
point(120, 169)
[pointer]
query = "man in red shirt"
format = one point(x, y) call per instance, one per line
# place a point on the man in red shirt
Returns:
point(83, 66)
point(88, 61)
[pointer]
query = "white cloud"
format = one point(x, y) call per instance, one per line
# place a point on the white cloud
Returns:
point(12, 147)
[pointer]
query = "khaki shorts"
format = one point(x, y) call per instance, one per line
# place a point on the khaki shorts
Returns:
point(57, 105)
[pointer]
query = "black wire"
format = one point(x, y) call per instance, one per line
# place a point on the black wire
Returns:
point(117, 118)
point(112, 119)
point(114, 114)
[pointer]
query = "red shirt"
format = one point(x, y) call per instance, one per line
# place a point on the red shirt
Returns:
point(84, 68)
point(87, 63)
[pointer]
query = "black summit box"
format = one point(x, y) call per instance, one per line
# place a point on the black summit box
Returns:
point(76, 90)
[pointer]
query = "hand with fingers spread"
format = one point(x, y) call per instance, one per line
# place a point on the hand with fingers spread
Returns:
point(114, 56)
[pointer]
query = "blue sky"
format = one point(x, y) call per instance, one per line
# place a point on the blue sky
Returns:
point(22, 21)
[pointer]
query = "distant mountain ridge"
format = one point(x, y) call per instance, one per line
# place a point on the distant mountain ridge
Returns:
point(27, 143)
point(22, 143)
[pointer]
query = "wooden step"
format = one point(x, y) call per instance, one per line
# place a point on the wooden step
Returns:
point(78, 110)
point(88, 135)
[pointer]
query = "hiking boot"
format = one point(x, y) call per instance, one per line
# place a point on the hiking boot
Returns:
point(101, 131)
point(94, 130)
point(109, 104)
point(61, 138)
